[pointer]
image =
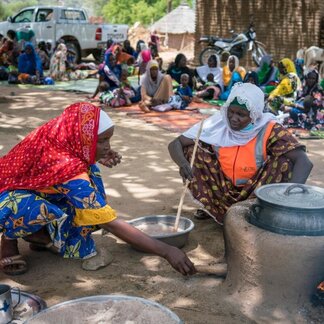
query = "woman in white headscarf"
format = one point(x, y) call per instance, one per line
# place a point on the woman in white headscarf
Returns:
point(240, 149)
point(232, 73)
point(52, 194)
point(156, 88)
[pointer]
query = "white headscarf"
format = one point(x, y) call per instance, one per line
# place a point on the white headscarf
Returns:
point(217, 130)
point(217, 71)
point(146, 80)
point(105, 122)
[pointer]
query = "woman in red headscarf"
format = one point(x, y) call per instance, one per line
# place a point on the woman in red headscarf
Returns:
point(52, 194)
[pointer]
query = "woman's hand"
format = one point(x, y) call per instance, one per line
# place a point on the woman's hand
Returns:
point(130, 234)
point(179, 261)
point(186, 172)
point(111, 159)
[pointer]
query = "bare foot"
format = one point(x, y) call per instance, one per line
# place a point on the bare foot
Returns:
point(144, 108)
point(102, 259)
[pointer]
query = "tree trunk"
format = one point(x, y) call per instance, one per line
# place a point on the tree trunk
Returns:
point(169, 5)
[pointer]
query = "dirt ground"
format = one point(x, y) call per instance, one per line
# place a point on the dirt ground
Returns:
point(146, 183)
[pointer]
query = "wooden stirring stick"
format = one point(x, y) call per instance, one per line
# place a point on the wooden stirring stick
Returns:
point(176, 225)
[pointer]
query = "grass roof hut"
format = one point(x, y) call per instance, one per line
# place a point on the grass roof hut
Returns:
point(177, 28)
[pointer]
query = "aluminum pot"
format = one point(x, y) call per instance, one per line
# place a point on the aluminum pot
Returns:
point(286, 208)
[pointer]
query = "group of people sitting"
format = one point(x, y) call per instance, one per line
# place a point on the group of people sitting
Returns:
point(21, 61)
point(299, 97)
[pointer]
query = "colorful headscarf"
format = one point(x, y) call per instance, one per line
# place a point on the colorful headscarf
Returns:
point(289, 66)
point(53, 153)
point(217, 131)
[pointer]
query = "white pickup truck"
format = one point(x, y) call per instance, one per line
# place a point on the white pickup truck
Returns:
point(51, 23)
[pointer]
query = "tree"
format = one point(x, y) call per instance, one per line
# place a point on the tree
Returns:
point(131, 11)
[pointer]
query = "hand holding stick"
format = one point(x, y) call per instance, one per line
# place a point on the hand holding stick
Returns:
point(176, 225)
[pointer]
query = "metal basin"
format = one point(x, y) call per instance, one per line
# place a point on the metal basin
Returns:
point(178, 239)
point(112, 309)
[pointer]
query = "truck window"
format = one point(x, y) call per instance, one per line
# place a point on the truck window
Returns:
point(44, 15)
point(24, 16)
point(73, 15)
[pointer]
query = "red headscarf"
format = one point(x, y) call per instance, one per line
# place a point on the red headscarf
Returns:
point(53, 153)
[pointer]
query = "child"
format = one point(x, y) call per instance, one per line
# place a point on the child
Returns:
point(117, 97)
point(105, 95)
point(125, 92)
point(210, 90)
point(183, 95)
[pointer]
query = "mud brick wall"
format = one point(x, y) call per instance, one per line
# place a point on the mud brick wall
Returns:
point(283, 26)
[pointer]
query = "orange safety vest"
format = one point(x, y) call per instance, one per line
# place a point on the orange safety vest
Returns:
point(240, 163)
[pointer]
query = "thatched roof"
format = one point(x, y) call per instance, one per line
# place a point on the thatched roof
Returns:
point(179, 21)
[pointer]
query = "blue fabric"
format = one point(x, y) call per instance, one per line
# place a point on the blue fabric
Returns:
point(23, 212)
point(184, 91)
point(116, 70)
point(30, 63)
point(236, 77)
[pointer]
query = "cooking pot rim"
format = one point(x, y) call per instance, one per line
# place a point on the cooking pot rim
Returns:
point(283, 192)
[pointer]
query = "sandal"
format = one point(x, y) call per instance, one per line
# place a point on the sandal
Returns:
point(15, 260)
point(201, 214)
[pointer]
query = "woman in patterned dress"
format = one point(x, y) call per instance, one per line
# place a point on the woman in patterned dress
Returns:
point(214, 181)
point(52, 194)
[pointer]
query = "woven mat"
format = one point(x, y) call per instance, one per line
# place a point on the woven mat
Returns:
point(174, 120)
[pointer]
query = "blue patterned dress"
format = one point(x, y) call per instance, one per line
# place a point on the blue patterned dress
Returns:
point(71, 213)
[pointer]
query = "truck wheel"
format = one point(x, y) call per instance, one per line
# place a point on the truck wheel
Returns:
point(208, 51)
point(73, 47)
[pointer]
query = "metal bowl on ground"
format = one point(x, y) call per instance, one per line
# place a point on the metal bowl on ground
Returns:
point(110, 309)
point(165, 223)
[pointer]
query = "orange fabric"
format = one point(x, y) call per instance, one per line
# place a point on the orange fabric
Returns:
point(121, 57)
point(227, 74)
point(59, 150)
point(239, 162)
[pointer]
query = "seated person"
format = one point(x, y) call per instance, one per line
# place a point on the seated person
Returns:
point(30, 66)
point(179, 67)
point(267, 74)
point(110, 72)
point(232, 73)
point(251, 77)
point(156, 88)
point(225, 171)
point(183, 95)
point(212, 67)
point(309, 102)
point(120, 96)
point(286, 91)
point(127, 48)
point(210, 90)
point(43, 55)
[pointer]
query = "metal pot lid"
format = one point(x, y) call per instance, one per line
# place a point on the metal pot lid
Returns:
point(293, 195)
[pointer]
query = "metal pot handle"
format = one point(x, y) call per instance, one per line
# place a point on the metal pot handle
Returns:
point(255, 210)
point(292, 187)
point(19, 296)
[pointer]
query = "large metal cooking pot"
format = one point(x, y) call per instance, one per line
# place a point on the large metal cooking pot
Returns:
point(292, 209)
